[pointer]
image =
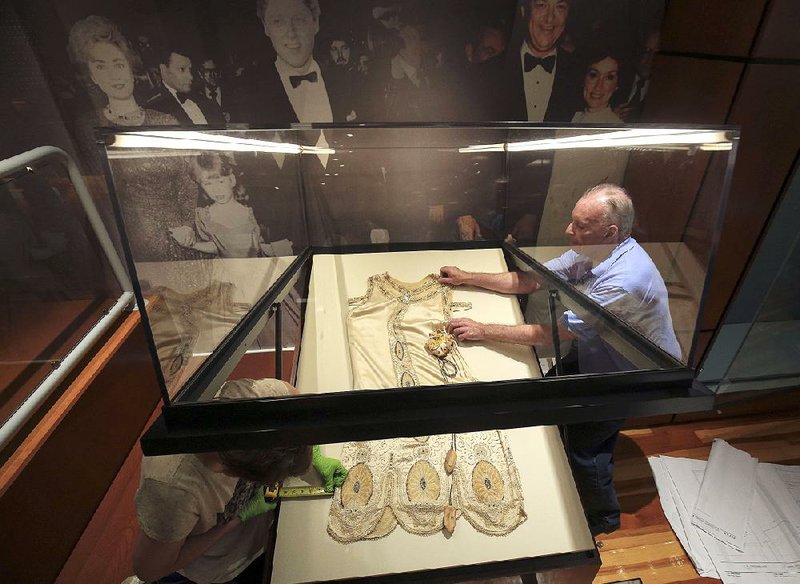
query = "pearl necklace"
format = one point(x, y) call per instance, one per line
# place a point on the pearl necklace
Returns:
point(135, 118)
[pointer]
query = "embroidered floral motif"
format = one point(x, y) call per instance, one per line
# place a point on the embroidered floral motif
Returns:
point(410, 486)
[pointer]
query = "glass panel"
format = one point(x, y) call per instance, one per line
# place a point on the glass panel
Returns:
point(55, 282)
point(260, 355)
point(385, 208)
point(212, 221)
point(769, 357)
point(757, 346)
point(591, 339)
point(385, 185)
point(675, 182)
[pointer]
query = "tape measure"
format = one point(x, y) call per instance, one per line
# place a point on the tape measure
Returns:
point(308, 491)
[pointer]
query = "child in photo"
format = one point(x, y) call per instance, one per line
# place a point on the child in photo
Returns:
point(227, 227)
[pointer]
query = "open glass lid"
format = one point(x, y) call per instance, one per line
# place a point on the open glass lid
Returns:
point(315, 255)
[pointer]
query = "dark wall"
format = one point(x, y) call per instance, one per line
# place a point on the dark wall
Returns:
point(734, 62)
point(47, 507)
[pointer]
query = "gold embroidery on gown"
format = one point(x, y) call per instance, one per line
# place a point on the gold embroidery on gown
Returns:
point(404, 481)
point(390, 323)
point(187, 324)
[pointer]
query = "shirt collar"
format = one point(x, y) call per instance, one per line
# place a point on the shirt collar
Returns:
point(616, 253)
point(524, 49)
point(172, 91)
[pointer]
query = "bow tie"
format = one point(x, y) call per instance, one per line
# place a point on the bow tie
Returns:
point(296, 80)
point(182, 97)
point(547, 63)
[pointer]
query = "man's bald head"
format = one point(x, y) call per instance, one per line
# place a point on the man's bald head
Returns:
point(617, 206)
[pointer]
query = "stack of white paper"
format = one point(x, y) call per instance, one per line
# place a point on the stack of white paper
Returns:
point(737, 519)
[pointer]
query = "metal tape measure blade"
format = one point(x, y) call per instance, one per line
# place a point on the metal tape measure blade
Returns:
point(303, 492)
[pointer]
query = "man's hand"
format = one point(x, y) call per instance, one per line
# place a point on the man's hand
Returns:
point(468, 228)
point(466, 329)
point(452, 275)
point(257, 506)
point(332, 470)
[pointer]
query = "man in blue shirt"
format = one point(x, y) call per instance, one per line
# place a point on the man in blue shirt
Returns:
point(612, 269)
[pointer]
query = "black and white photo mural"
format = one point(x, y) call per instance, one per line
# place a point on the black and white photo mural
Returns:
point(278, 61)
point(271, 63)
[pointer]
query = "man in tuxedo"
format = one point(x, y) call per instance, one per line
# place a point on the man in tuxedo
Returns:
point(293, 88)
point(543, 82)
point(176, 97)
point(631, 110)
point(215, 88)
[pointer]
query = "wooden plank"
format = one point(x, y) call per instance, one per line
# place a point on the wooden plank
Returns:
point(16, 463)
point(104, 552)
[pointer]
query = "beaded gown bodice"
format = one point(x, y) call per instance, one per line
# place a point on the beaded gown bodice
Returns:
point(387, 328)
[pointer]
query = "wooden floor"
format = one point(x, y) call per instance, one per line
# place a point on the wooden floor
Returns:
point(645, 547)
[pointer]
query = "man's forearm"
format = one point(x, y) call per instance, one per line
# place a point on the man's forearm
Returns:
point(503, 282)
point(520, 334)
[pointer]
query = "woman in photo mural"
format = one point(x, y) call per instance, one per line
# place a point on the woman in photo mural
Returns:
point(106, 62)
point(600, 83)
point(577, 170)
point(156, 193)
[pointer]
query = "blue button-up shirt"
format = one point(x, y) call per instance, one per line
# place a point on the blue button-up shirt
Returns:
point(628, 284)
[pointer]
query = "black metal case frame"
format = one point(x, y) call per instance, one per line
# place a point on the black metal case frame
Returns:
point(188, 425)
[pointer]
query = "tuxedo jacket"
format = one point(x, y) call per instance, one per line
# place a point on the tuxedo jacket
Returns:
point(164, 102)
point(231, 101)
point(566, 97)
point(267, 102)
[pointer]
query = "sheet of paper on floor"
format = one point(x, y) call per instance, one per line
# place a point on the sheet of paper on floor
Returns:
point(678, 516)
point(726, 494)
point(772, 543)
point(683, 477)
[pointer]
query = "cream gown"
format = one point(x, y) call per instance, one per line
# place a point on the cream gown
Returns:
point(403, 480)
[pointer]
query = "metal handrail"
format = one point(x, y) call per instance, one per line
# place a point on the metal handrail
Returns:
point(25, 163)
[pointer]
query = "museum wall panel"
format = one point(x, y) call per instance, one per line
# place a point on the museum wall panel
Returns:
point(714, 27)
point(712, 68)
point(53, 498)
point(778, 38)
point(691, 90)
point(766, 110)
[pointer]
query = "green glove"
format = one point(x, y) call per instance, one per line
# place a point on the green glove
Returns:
point(332, 470)
point(256, 506)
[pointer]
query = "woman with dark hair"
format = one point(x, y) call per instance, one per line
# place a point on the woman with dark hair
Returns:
point(106, 62)
point(574, 171)
point(155, 192)
point(600, 83)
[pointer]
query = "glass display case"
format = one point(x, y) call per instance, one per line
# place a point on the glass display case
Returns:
point(756, 347)
point(62, 284)
point(313, 254)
